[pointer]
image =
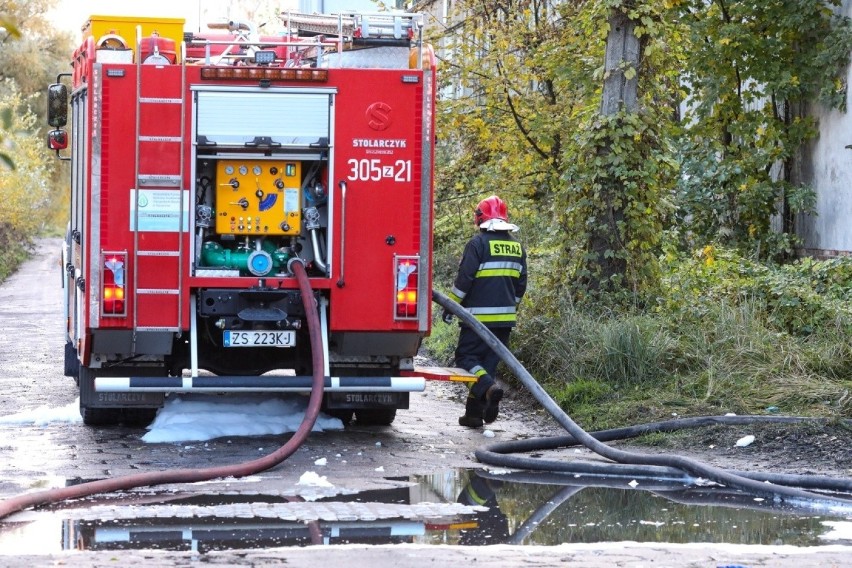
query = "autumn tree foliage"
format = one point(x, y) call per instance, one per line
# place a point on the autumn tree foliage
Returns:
point(522, 113)
point(704, 155)
point(32, 189)
point(26, 189)
point(32, 52)
point(754, 70)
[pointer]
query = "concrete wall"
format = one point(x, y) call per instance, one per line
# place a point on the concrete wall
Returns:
point(827, 166)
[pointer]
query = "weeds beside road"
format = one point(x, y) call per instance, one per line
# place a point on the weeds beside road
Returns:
point(726, 335)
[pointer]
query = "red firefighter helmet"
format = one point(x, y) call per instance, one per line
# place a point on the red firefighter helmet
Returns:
point(491, 208)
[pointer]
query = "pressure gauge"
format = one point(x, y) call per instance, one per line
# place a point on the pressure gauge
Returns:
point(229, 170)
point(243, 170)
point(257, 170)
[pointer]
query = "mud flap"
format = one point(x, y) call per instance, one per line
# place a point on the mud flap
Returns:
point(89, 398)
point(72, 364)
point(110, 408)
point(358, 400)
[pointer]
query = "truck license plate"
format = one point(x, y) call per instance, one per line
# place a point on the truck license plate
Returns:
point(259, 338)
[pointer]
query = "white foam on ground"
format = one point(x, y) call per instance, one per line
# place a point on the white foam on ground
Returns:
point(205, 417)
point(44, 415)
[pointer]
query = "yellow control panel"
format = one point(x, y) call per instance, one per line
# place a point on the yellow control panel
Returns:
point(258, 197)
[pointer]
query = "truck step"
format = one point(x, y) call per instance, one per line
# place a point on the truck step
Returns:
point(159, 180)
point(454, 374)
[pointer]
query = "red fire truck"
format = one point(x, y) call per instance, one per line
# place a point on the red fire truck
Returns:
point(203, 167)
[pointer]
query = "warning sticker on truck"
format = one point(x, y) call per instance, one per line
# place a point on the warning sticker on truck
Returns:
point(159, 210)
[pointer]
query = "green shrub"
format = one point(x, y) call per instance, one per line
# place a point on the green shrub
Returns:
point(726, 335)
point(14, 248)
point(800, 298)
point(441, 343)
point(581, 392)
point(29, 197)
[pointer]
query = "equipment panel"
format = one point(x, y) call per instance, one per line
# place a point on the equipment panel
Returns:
point(258, 197)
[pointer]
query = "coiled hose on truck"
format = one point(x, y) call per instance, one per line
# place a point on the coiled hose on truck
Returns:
point(627, 463)
point(21, 502)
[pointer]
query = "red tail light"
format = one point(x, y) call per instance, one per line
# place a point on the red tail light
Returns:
point(406, 274)
point(113, 271)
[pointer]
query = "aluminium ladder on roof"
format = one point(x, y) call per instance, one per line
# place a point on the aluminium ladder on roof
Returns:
point(383, 25)
point(158, 245)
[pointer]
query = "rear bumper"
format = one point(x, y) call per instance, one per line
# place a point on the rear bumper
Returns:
point(263, 383)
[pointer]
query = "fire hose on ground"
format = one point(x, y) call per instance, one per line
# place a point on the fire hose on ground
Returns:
point(21, 502)
point(776, 486)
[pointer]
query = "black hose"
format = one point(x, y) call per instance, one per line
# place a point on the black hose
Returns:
point(672, 462)
point(496, 454)
point(21, 502)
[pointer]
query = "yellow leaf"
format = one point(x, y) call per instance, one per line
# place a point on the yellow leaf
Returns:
point(725, 41)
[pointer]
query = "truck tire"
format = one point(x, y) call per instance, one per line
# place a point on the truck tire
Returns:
point(375, 416)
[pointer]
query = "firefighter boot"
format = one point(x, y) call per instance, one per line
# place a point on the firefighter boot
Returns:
point(493, 396)
point(473, 409)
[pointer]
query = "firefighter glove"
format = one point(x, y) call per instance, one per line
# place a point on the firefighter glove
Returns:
point(447, 317)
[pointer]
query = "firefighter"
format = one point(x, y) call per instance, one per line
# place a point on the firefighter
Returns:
point(491, 281)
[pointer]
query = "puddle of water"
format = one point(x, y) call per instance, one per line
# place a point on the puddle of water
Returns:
point(455, 507)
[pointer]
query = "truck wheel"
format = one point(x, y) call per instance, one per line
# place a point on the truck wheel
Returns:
point(375, 416)
point(114, 416)
point(99, 416)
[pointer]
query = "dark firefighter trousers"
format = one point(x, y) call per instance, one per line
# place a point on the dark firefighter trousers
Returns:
point(476, 356)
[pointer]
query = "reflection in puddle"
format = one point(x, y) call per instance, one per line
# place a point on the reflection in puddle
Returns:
point(456, 508)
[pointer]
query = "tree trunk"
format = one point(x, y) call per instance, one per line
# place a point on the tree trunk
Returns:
point(619, 94)
point(622, 52)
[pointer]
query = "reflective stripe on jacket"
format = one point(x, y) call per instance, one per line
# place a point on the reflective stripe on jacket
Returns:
point(492, 278)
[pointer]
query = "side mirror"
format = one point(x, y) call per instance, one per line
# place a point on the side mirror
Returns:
point(57, 140)
point(57, 105)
